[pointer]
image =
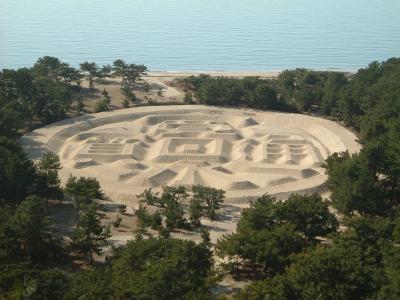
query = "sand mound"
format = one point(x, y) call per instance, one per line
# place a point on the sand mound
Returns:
point(283, 180)
point(83, 163)
point(126, 176)
point(223, 170)
point(242, 185)
point(247, 153)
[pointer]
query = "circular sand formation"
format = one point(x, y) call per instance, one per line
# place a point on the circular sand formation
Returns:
point(247, 153)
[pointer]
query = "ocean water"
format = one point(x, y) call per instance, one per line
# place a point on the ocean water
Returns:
point(177, 35)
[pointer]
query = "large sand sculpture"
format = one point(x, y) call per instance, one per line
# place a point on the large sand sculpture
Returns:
point(245, 152)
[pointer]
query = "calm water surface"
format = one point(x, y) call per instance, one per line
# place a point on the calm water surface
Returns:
point(202, 34)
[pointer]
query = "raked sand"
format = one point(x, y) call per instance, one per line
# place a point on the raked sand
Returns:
point(246, 152)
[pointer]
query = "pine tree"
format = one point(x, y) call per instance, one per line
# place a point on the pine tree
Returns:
point(90, 235)
point(195, 211)
point(47, 168)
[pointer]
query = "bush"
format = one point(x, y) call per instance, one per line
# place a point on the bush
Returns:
point(101, 105)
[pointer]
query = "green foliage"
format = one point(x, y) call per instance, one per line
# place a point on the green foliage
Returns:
point(332, 93)
point(82, 191)
point(292, 90)
point(23, 281)
point(52, 67)
point(125, 103)
point(210, 198)
point(303, 87)
point(129, 96)
point(171, 204)
point(309, 213)
point(162, 269)
point(104, 103)
point(265, 96)
point(47, 66)
point(31, 97)
point(369, 88)
point(174, 194)
point(277, 288)
point(330, 272)
point(164, 232)
point(90, 235)
point(149, 269)
point(391, 261)
point(17, 172)
point(172, 199)
point(269, 248)
point(188, 99)
point(101, 105)
point(117, 222)
point(174, 215)
point(10, 118)
point(156, 220)
point(130, 73)
point(54, 100)
point(143, 218)
point(35, 96)
point(195, 211)
point(105, 71)
point(150, 198)
point(353, 98)
point(91, 284)
point(362, 262)
point(27, 235)
point(91, 71)
point(80, 106)
point(203, 201)
point(270, 231)
point(47, 168)
point(250, 91)
point(205, 237)
point(106, 96)
point(354, 185)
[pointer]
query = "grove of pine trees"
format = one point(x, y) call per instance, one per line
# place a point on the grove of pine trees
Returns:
point(345, 247)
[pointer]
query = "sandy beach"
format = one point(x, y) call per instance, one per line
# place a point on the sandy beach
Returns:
point(238, 74)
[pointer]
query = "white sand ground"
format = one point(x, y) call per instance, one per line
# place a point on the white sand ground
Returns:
point(246, 152)
point(163, 83)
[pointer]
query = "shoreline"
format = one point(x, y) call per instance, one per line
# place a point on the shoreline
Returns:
point(215, 73)
point(266, 74)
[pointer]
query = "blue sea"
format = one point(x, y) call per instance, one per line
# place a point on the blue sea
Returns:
point(177, 35)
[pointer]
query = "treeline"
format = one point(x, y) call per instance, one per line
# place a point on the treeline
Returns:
point(347, 97)
point(50, 91)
